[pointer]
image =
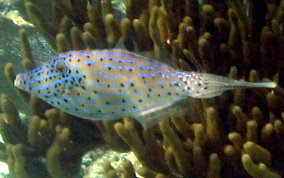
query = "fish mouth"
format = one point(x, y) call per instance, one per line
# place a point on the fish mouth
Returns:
point(17, 81)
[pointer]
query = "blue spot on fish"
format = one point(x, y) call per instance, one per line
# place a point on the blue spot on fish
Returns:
point(141, 67)
point(91, 71)
point(109, 105)
point(111, 93)
point(142, 75)
point(32, 73)
point(93, 102)
point(54, 91)
point(85, 109)
point(168, 71)
point(96, 85)
point(112, 86)
point(125, 102)
point(56, 82)
point(122, 92)
point(118, 60)
point(67, 98)
point(70, 59)
point(126, 85)
point(129, 68)
point(31, 82)
point(149, 68)
point(115, 76)
point(100, 95)
point(108, 66)
point(90, 62)
point(107, 77)
point(80, 99)
point(47, 76)
point(137, 93)
point(76, 65)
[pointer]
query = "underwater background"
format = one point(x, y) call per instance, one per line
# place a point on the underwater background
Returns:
point(239, 134)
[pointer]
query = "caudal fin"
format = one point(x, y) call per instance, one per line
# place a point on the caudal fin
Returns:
point(202, 85)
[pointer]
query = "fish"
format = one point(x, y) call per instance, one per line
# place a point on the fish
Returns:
point(113, 84)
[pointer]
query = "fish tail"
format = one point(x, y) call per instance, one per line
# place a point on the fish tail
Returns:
point(261, 84)
point(209, 85)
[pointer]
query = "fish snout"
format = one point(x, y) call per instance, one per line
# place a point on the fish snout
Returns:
point(17, 81)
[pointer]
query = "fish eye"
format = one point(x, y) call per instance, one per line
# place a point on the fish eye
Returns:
point(61, 66)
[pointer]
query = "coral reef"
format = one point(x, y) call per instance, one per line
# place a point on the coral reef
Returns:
point(238, 134)
point(100, 165)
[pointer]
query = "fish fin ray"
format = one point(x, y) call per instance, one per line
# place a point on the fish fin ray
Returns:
point(151, 117)
point(194, 61)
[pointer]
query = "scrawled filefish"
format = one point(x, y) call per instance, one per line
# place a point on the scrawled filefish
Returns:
point(111, 84)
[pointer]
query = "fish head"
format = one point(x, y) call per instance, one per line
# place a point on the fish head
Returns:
point(48, 81)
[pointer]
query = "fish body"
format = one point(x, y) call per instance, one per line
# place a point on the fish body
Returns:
point(112, 84)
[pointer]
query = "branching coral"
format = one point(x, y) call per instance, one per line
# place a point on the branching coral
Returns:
point(50, 139)
point(237, 134)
